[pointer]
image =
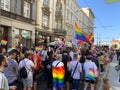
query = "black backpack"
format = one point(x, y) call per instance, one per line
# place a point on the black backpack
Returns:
point(23, 72)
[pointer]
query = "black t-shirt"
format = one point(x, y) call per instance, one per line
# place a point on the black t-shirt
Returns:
point(82, 59)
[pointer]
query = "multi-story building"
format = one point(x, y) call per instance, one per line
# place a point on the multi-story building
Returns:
point(75, 14)
point(50, 20)
point(17, 22)
point(59, 19)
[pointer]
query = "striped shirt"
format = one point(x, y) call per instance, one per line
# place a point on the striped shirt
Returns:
point(3, 82)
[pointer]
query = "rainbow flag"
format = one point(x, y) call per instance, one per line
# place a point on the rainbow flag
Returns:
point(91, 38)
point(58, 76)
point(79, 33)
point(91, 74)
point(37, 48)
point(4, 42)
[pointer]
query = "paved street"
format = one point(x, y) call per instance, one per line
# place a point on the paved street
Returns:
point(112, 75)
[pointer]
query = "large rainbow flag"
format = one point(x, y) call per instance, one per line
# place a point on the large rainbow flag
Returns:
point(91, 38)
point(58, 75)
point(79, 34)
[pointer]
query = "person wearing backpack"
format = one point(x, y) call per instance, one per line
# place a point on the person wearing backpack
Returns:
point(26, 67)
point(90, 68)
point(75, 68)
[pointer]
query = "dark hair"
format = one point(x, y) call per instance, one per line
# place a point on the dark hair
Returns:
point(1, 59)
point(12, 51)
point(24, 49)
point(27, 54)
point(89, 57)
point(50, 53)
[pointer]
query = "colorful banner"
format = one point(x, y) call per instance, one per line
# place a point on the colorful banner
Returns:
point(40, 42)
point(38, 48)
point(4, 42)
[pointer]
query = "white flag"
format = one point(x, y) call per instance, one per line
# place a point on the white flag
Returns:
point(74, 41)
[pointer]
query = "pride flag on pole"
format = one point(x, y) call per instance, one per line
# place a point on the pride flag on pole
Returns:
point(91, 38)
point(79, 33)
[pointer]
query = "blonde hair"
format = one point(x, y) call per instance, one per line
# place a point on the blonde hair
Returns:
point(58, 57)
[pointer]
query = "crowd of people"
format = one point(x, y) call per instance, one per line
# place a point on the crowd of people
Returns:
point(20, 69)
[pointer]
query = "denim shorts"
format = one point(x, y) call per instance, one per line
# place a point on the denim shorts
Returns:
point(75, 84)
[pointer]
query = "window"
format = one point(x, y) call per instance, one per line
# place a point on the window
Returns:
point(26, 12)
point(46, 3)
point(45, 20)
point(5, 5)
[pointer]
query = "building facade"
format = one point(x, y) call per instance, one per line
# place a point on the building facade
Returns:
point(59, 19)
point(17, 22)
point(75, 14)
point(50, 20)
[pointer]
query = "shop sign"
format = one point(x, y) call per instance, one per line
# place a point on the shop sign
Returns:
point(25, 34)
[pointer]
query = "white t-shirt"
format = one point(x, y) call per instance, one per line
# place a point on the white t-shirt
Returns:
point(44, 54)
point(3, 82)
point(71, 54)
point(87, 65)
point(55, 63)
point(78, 69)
point(28, 65)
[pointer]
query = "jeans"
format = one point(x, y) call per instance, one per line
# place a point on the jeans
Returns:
point(101, 67)
point(75, 84)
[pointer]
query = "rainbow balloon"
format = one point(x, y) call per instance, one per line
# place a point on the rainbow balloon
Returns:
point(91, 74)
point(58, 75)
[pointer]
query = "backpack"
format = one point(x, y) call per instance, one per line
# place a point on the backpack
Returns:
point(23, 72)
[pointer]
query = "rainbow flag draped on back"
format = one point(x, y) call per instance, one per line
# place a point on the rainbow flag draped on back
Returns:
point(79, 33)
point(91, 74)
point(58, 75)
point(91, 38)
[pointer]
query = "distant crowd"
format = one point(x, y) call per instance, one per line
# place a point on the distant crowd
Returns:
point(20, 69)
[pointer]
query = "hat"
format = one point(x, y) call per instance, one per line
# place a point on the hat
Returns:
point(58, 57)
point(11, 50)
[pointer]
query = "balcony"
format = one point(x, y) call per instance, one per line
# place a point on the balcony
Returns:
point(17, 17)
point(60, 32)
